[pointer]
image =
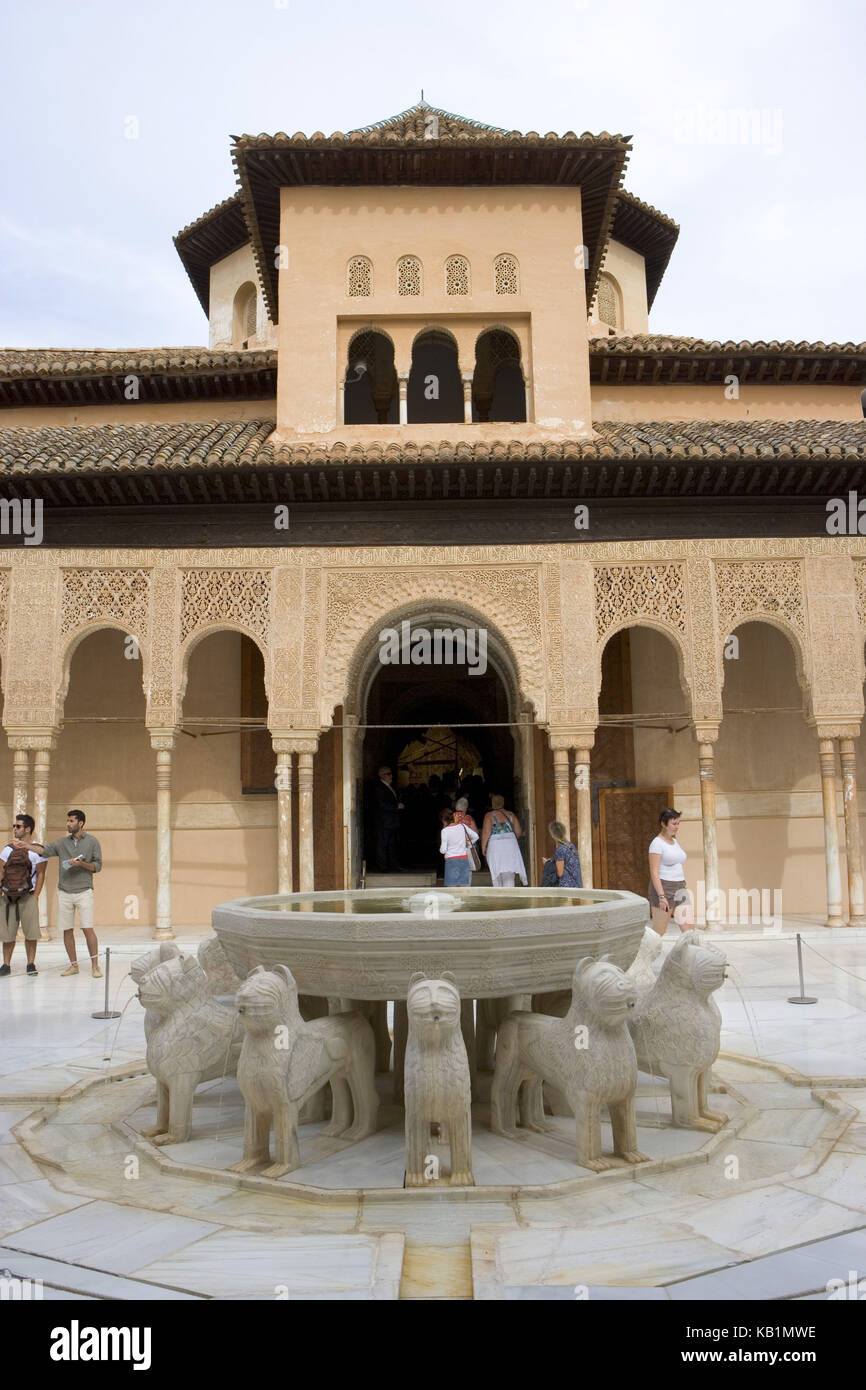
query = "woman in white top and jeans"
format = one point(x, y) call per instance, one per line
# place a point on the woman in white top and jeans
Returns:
point(667, 893)
point(454, 844)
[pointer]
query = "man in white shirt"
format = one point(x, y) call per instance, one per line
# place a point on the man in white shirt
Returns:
point(21, 885)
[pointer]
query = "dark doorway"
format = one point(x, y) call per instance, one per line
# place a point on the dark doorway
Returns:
point(370, 391)
point(440, 744)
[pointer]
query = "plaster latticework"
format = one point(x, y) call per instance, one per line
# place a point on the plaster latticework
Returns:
point(760, 589)
point(409, 275)
point(228, 597)
point(4, 608)
point(359, 277)
point(506, 275)
point(627, 593)
point(860, 587)
point(106, 595)
point(457, 275)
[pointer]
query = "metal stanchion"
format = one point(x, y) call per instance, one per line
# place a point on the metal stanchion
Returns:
point(801, 998)
point(107, 1012)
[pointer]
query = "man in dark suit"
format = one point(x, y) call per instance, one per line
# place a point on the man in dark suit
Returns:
point(388, 807)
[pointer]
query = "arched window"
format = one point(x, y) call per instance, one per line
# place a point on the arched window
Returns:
point(370, 391)
point(408, 275)
point(359, 277)
point(244, 315)
point(498, 387)
point(607, 301)
point(506, 274)
point(435, 389)
point(456, 275)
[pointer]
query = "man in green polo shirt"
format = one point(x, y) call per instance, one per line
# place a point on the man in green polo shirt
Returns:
point(80, 858)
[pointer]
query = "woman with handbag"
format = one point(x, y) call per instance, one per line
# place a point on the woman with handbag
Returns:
point(457, 844)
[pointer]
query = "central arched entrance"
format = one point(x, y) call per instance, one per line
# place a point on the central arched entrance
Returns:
point(438, 703)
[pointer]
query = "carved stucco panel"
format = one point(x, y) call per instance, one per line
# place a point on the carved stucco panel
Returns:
point(860, 589)
point(5, 578)
point(287, 639)
point(580, 705)
point(654, 595)
point(835, 638)
point(164, 681)
point(93, 596)
point(706, 643)
point(33, 676)
point(508, 595)
point(232, 597)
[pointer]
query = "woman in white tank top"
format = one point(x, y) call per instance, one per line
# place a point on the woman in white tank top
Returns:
point(667, 893)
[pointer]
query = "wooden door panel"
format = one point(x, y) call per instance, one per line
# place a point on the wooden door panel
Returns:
point(628, 820)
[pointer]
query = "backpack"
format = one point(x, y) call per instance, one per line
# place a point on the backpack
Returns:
point(16, 878)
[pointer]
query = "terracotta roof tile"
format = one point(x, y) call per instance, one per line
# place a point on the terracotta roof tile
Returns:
point(227, 445)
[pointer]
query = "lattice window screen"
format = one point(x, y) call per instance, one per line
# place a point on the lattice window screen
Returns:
point(360, 277)
point(408, 275)
point(506, 275)
point(457, 275)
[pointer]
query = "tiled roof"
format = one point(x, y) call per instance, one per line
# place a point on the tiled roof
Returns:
point(208, 239)
point(149, 465)
point(98, 376)
point(231, 444)
point(651, 233)
point(650, 359)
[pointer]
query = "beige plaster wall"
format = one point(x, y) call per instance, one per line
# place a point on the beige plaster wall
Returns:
point(137, 413)
point(768, 797)
point(223, 844)
point(226, 278)
point(627, 269)
point(698, 402)
point(323, 228)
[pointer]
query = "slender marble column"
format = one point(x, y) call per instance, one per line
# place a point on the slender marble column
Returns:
point(560, 783)
point(403, 387)
point(284, 816)
point(306, 877)
point(20, 777)
point(41, 768)
point(853, 842)
point(706, 761)
point(467, 399)
point(583, 788)
point(163, 744)
point(827, 752)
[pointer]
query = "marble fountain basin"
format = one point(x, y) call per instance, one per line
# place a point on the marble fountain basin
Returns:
point(367, 943)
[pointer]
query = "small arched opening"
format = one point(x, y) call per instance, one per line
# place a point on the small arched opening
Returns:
point(435, 391)
point(244, 314)
point(370, 391)
point(498, 387)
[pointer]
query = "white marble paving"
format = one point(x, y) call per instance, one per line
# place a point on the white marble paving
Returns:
point(110, 1237)
point(243, 1264)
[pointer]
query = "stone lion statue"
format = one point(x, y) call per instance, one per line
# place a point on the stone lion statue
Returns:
point(191, 1037)
point(222, 981)
point(285, 1061)
point(588, 1056)
point(676, 1028)
point(436, 1080)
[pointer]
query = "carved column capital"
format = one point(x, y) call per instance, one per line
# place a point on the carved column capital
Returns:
point(706, 733)
point(163, 740)
point(34, 740)
point(836, 730)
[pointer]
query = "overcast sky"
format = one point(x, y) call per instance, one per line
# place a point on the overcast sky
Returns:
point(772, 242)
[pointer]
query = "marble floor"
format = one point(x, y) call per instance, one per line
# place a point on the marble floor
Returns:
point(773, 1207)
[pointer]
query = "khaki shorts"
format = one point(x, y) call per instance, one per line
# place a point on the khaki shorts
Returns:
point(66, 905)
point(24, 913)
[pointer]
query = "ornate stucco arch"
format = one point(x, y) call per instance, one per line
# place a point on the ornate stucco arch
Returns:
point(73, 641)
point(505, 599)
point(682, 650)
point(364, 665)
point(200, 634)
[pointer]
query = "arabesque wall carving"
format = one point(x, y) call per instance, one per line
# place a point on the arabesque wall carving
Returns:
point(554, 606)
point(113, 595)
